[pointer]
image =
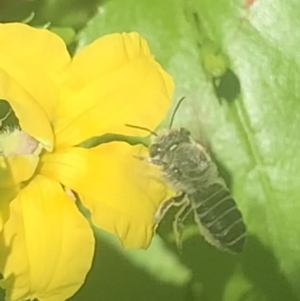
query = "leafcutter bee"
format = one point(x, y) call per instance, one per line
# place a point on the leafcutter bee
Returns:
point(188, 168)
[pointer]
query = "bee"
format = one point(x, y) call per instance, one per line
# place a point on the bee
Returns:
point(188, 168)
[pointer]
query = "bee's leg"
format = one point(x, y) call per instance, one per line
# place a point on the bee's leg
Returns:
point(185, 215)
point(178, 223)
point(165, 206)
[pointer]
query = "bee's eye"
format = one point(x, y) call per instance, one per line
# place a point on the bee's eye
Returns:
point(154, 150)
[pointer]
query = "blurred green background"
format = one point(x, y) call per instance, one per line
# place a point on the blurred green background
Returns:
point(237, 63)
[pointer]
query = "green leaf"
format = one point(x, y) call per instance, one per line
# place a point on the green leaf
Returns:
point(66, 33)
point(122, 275)
point(95, 141)
point(157, 260)
point(64, 13)
point(255, 138)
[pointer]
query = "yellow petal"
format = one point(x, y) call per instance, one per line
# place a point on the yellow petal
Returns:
point(31, 61)
point(8, 190)
point(27, 109)
point(111, 82)
point(34, 58)
point(122, 192)
point(23, 167)
point(46, 246)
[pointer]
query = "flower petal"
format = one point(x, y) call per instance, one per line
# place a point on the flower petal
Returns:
point(34, 58)
point(40, 244)
point(31, 61)
point(111, 82)
point(23, 166)
point(122, 192)
point(27, 110)
point(8, 190)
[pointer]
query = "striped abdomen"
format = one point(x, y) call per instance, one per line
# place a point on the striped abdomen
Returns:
point(219, 218)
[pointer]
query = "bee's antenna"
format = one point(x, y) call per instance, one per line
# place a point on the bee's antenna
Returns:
point(141, 128)
point(175, 110)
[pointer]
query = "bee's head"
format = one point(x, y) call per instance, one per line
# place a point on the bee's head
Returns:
point(167, 141)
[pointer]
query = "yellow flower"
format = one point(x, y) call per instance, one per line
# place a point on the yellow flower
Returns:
point(8, 190)
point(47, 245)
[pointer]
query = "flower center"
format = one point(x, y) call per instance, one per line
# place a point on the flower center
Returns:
point(14, 141)
point(20, 150)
